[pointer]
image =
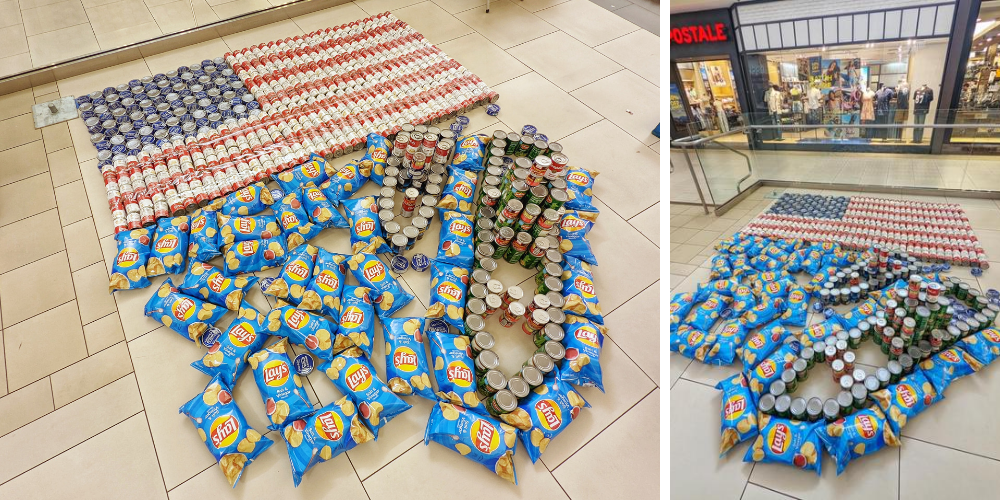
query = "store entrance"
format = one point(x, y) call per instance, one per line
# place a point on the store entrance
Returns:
point(709, 94)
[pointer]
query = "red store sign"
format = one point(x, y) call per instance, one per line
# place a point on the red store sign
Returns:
point(701, 33)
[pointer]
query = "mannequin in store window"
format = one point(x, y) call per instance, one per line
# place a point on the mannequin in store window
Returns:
point(813, 107)
point(902, 105)
point(882, 98)
point(774, 103)
point(867, 111)
point(922, 99)
point(721, 116)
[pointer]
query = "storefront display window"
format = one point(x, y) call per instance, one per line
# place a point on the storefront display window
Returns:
point(979, 98)
point(711, 95)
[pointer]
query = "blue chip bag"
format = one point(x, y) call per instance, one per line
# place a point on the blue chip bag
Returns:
point(739, 413)
point(579, 291)
point(166, 256)
point(325, 290)
point(280, 387)
point(773, 289)
point(366, 228)
point(128, 271)
point(249, 200)
point(583, 341)
point(295, 276)
point(455, 246)
point(354, 375)
point(406, 369)
point(855, 436)
point(761, 343)
point(185, 315)
point(551, 407)
point(469, 152)
point(573, 229)
point(691, 343)
point(680, 305)
point(476, 437)
point(206, 281)
point(818, 331)
point(253, 255)
point(449, 285)
point(315, 170)
point(906, 399)
point(385, 290)
point(458, 191)
point(257, 227)
point(707, 313)
point(348, 180)
point(330, 431)
point(769, 369)
point(227, 356)
point(743, 300)
point(224, 429)
point(728, 342)
point(984, 345)
point(788, 442)
point(721, 268)
point(294, 220)
point(313, 331)
point(454, 369)
point(378, 152)
point(947, 366)
point(320, 209)
point(725, 287)
point(203, 242)
point(580, 189)
point(357, 319)
point(858, 314)
point(797, 302)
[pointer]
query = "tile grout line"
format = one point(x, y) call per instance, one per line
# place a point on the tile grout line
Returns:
point(369, 476)
point(744, 492)
point(145, 414)
point(769, 488)
point(355, 469)
point(201, 471)
point(953, 448)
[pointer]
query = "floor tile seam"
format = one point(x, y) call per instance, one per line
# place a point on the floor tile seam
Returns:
point(178, 485)
point(553, 476)
point(605, 428)
point(637, 27)
point(142, 403)
point(768, 487)
point(102, 431)
point(622, 349)
point(19, 114)
point(8, 327)
point(358, 476)
point(952, 448)
point(26, 35)
point(695, 381)
point(747, 483)
point(601, 115)
point(619, 306)
point(383, 466)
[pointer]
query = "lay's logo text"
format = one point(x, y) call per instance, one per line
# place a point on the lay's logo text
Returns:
point(296, 319)
point(459, 374)
point(289, 220)
point(242, 335)
point(218, 282)
point(224, 431)
point(549, 414)
point(166, 243)
point(588, 335)
point(245, 225)
point(183, 308)
point(573, 224)
point(315, 195)
point(484, 436)
point(247, 194)
point(866, 426)
point(247, 248)
point(906, 395)
point(329, 426)
point(460, 228)
point(450, 290)
point(127, 257)
point(464, 189)
point(374, 271)
point(364, 227)
point(276, 373)
point(779, 438)
point(198, 224)
point(585, 286)
point(297, 270)
point(734, 407)
point(327, 281)
point(358, 377)
point(404, 359)
point(353, 317)
point(578, 178)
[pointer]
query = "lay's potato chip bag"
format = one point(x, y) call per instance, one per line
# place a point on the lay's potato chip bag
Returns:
point(378, 152)
point(459, 190)
point(454, 369)
point(355, 377)
point(385, 290)
point(856, 435)
point(477, 437)
point(785, 441)
point(406, 369)
point(357, 318)
point(253, 255)
point(573, 229)
point(325, 289)
point(315, 170)
point(583, 341)
point(313, 331)
point(249, 200)
point(449, 285)
point(456, 239)
point(185, 315)
point(280, 387)
point(294, 220)
point(580, 189)
point(227, 356)
point(325, 434)
point(551, 407)
point(348, 179)
point(204, 238)
point(469, 152)
point(579, 291)
point(166, 256)
point(291, 283)
point(321, 210)
point(366, 228)
point(739, 412)
point(128, 271)
point(206, 281)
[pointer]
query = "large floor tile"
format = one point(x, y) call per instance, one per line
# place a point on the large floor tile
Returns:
point(635, 328)
point(628, 451)
point(110, 40)
point(10, 13)
point(90, 374)
point(641, 17)
point(91, 285)
point(436, 24)
point(127, 468)
point(10, 65)
point(16, 103)
point(114, 16)
point(874, 476)
point(638, 51)
point(14, 39)
point(17, 130)
point(30, 239)
point(621, 160)
point(266, 33)
point(506, 24)
point(63, 166)
point(50, 47)
point(43, 344)
point(82, 245)
point(421, 472)
point(373, 7)
point(627, 100)
point(22, 162)
point(103, 333)
point(67, 427)
point(923, 464)
point(625, 385)
point(239, 7)
point(618, 280)
point(456, 6)
point(328, 18)
point(25, 405)
point(696, 471)
point(72, 202)
point(53, 16)
point(564, 60)
point(537, 5)
point(56, 137)
point(586, 22)
point(484, 58)
point(754, 492)
point(531, 99)
point(678, 364)
point(172, 17)
point(648, 223)
point(35, 288)
point(93, 184)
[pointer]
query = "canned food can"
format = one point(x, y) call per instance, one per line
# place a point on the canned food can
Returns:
point(493, 303)
point(512, 313)
point(479, 342)
point(474, 323)
point(517, 386)
point(513, 295)
point(490, 383)
point(476, 306)
point(534, 321)
point(541, 361)
point(487, 360)
point(518, 247)
point(500, 403)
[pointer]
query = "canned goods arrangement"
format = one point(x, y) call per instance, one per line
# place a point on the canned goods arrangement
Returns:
point(177, 141)
point(932, 329)
point(933, 232)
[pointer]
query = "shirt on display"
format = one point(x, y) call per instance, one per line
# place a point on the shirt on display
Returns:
point(922, 99)
point(813, 99)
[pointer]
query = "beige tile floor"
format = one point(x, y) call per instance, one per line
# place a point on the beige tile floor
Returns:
point(89, 387)
point(948, 452)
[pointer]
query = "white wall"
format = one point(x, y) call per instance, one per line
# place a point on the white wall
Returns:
point(927, 66)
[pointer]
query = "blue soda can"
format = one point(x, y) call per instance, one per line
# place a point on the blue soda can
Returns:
point(529, 130)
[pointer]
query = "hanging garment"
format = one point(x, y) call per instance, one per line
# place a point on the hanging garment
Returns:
point(867, 106)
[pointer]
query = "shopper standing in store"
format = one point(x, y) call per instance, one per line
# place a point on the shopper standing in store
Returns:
point(922, 99)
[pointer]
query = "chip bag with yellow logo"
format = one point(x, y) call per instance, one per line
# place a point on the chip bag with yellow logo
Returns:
point(730, 338)
point(357, 319)
point(551, 407)
point(983, 345)
point(378, 152)
point(573, 229)
point(280, 387)
point(906, 399)
point(315, 170)
point(254, 255)
point(580, 292)
point(583, 341)
point(294, 220)
point(227, 356)
point(797, 302)
point(680, 305)
point(770, 368)
point(477, 437)
point(385, 291)
point(456, 243)
point(255, 227)
point(947, 366)
point(707, 313)
point(858, 314)
point(454, 369)
point(458, 191)
point(725, 287)
point(817, 331)
point(348, 180)
point(785, 441)
point(206, 281)
point(449, 285)
point(204, 238)
point(185, 315)
point(128, 271)
point(224, 429)
point(313, 331)
point(856, 435)
point(580, 188)
point(761, 343)
point(469, 152)
point(320, 209)
point(691, 342)
point(406, 369)
point(328, 432)
point(248, 200)
point(366, 228)
point(354, 375)
point(739, 413)
point(166, 256)
point(325, 288)
point(291, 283)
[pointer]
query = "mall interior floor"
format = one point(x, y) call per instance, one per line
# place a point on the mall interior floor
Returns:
point(90, 387)
point(946, 451)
